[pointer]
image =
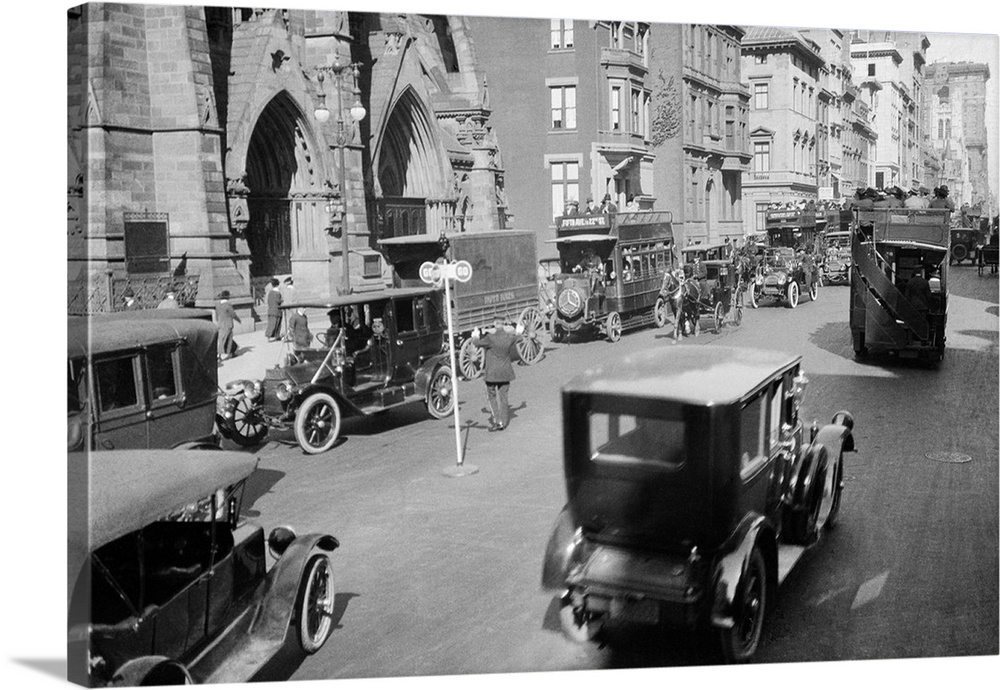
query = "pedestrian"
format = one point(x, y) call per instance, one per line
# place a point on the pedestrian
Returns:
point(298, 327)
point(288, 297)
point(499, 370)
point(169, 301)
point(225, 318)
point(918, 292)
point(129, 301)
point(592, 208)
point(608, 206)
point(273, 331)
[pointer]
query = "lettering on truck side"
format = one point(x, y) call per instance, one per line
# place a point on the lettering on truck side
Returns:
point(499, 297)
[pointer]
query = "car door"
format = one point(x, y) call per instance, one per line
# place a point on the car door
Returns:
point(170, 421)
point(120, 414)
point(419, 334)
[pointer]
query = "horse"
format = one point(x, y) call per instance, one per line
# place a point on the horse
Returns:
point(682, 294)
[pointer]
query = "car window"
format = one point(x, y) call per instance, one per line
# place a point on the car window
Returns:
point(116, 385)
point(752, 426)
point(774, 425)
point(628, 438)
point(161, 372)
point(404, 316)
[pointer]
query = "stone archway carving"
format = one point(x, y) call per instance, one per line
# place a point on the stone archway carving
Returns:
point(411, 162)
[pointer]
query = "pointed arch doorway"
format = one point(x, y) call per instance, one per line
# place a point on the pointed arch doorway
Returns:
point(285, 202)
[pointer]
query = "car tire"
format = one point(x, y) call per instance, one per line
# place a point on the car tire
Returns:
point(314, 605)
point(813, 291)
point(754, 297)
point(719, 313)
point(440, 394)
point(837, 489)
point(556, 331)
point(959, 253)
point(577, 624)
point(792, 294)
point(740, 642)
point(317, 423)
point(245, 428)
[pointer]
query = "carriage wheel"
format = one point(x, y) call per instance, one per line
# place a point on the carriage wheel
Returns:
point(613, 327)
point(532, 321)
point(471, 360)
point(660, 312)
point(529, 348)
point(719, 314)
point(736, 311)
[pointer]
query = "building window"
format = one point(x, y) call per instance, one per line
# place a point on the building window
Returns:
point(372, 266)
point(760, 96)
point(760, 59)
point(761, 156)
point(795, 95)
point(561, 33)
point(940, 129)
point(871, 69)
point(565, 185)
point(563, 107)
point(636, 96)
point(647, 131)
point(760, 216)
point(947, 129)
point(616, 108)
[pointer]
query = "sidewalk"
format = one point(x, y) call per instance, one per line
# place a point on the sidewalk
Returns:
point(255, 356)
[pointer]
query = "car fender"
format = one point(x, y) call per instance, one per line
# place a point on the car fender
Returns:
point(801, 485)
point(424, 373)
point(278, 600)
point(734, 558)
point(134, 671)
point(303, 391)
point(562, 551)
point(845, 419)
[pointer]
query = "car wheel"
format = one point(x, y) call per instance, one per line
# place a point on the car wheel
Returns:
point(660, 312)
point(556, 331)
point(740, 642)
point(577, 623)
point(613, 327)
point(754, 297)
point(792, 295)
point(246, 428)
point(314, 613)
point(813, 291)
point(719, 314)
point(471, 360)
point(317, 423)
point(836, 488)
point(440, 394)
point(806, 522)
point(959, 253)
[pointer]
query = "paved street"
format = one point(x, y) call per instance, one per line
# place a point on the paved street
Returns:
point(441, 576)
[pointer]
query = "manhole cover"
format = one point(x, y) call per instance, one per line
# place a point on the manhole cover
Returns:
point(944, 456)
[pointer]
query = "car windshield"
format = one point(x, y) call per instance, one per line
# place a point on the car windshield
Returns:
point(838, 242)
point(625, 438)
point(776, 258)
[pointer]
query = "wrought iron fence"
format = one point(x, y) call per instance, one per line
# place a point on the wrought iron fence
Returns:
point(111, 293)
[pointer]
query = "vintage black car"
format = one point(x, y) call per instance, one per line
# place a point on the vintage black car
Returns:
point(784, 274)
point(691, 491)
point(169, 586)
point(144, 379)
point(836, 266)
point(381, 349)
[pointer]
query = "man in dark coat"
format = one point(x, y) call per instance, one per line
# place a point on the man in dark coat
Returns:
point(918, 292)
point(225, 317)
point(499, 370)
point(273, 331)
point(298, 327)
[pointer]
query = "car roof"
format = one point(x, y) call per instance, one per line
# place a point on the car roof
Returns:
point(699, 375)
point(362, 298)
point(115, 492)
point(97, 335)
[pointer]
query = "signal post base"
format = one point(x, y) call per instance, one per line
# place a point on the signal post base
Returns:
point(463, 470)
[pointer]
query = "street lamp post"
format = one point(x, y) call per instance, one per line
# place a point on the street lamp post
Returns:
point(357, 112)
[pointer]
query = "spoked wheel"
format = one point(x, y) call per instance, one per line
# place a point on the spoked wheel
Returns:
point(317, 423)
point(246, 428)
point(792, 294)
point(719, 314)
point(440, 394)
point(315, 610)
point(529, 346)
point(578, 624)
point(814, 291)
point(471, 360)
point(660, 312)
point(739, 643)
point(613, 327)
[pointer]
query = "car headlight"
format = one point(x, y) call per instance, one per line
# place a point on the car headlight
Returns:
point(760, 280)
point(284, 391)
point(782, 278)
point(252, 389)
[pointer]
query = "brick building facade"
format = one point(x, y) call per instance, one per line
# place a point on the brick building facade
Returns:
point(195, 146)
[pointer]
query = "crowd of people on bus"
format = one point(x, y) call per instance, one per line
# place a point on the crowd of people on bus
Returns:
point(607, 205)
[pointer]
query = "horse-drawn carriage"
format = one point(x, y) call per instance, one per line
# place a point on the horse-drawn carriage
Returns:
point(987, 256)
point(705, 288)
